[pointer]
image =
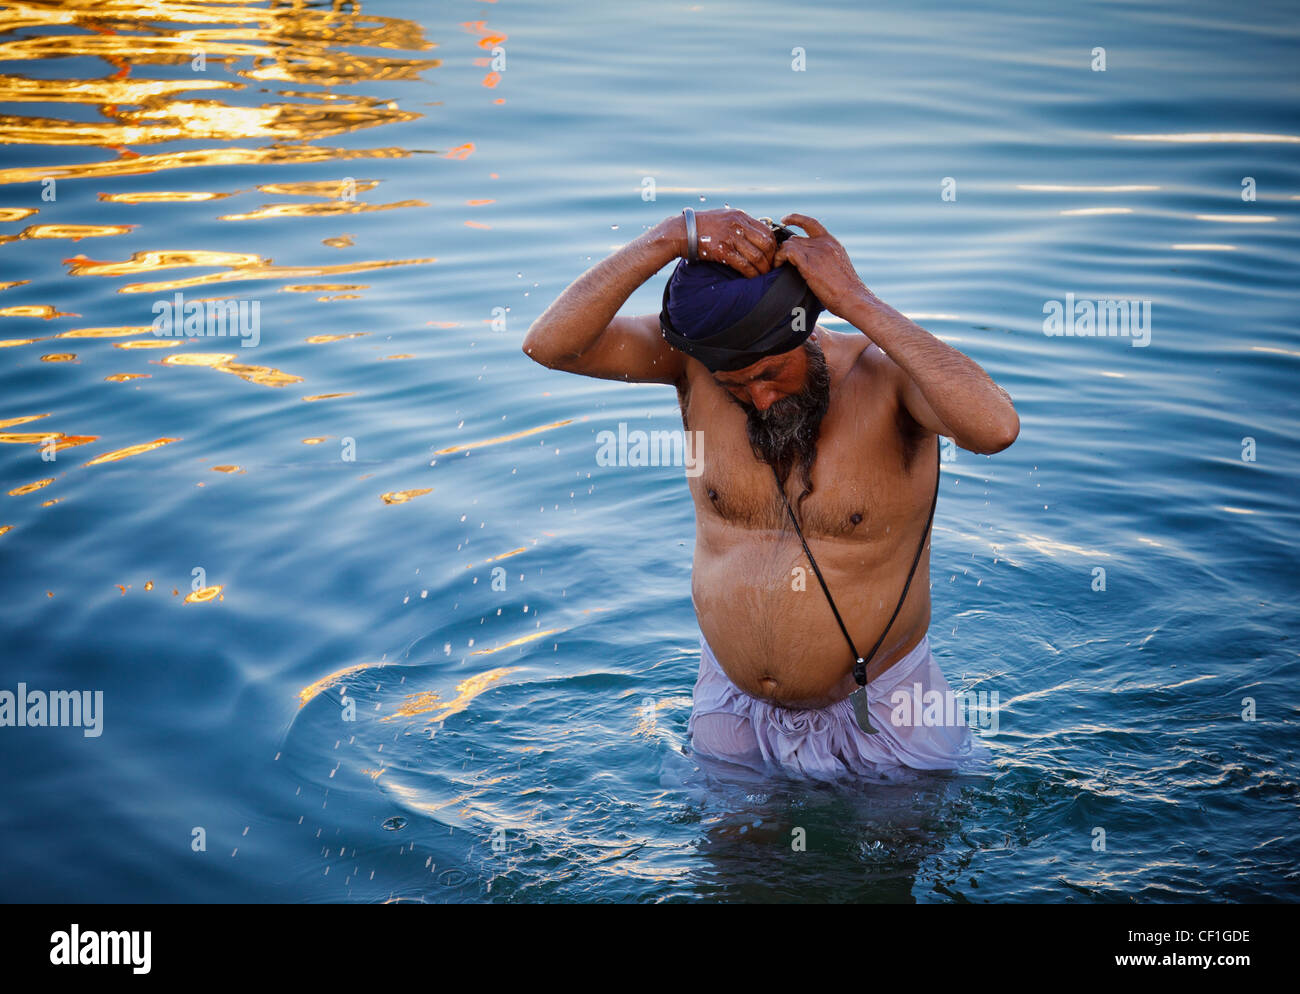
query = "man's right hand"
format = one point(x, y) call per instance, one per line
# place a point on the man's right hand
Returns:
point(581, 331)
point(732, 238)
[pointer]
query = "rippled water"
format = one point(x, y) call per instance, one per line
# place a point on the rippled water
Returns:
point(202, 549)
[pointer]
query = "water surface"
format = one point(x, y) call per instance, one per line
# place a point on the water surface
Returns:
point(400, 209)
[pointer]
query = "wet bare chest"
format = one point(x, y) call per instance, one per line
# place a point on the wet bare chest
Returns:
point(854, 495)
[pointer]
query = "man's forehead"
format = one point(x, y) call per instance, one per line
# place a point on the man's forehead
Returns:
point(765, 366)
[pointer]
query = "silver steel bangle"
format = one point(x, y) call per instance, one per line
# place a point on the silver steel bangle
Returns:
point(692, 236)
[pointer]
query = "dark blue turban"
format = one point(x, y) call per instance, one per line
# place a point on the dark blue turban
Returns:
point(728, 321)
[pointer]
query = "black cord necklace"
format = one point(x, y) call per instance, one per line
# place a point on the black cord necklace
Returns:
point(859, 696)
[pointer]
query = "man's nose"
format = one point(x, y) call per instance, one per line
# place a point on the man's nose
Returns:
point(763, 397)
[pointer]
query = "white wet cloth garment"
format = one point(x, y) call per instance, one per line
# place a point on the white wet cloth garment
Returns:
point(825, 743)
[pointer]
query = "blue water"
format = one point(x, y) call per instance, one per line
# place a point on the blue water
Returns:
point(549, 717)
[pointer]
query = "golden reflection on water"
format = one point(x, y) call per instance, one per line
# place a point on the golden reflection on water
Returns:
point(30, 487)
point(72, 232)
point(59, 439)
point(253, 84)
point(237, 266)
point(204, 594)
point(503, 438)
point(43, 311)
point(124, 331)
point(522, 640)
point(312, 689)
point(162, 197)
point(504, 555)
point(321, 209)
point(224, 362)
point(26, 419)
point(430, 703)
point(322, 188)
point(131, 450)
point(224, 53)
point(402, 496)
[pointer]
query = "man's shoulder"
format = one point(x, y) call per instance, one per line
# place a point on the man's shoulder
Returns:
point(862, 361)
point(878, 383)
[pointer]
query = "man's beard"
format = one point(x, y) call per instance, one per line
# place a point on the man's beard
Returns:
point(785, 435)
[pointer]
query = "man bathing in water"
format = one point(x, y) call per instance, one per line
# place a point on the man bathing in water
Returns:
point(849, 425)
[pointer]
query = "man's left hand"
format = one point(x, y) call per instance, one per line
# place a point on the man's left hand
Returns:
point(823, 264)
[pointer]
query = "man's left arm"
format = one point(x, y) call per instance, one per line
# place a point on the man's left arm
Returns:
point(943, 390)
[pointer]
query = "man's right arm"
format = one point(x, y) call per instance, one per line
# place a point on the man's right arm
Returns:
point(581, 332)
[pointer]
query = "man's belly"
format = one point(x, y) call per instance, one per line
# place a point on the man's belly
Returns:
point(767, 620)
